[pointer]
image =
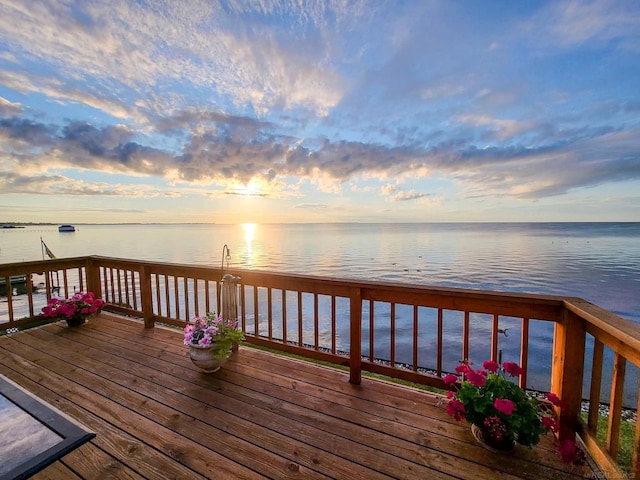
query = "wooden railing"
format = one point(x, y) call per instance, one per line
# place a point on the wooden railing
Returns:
point(402, 331)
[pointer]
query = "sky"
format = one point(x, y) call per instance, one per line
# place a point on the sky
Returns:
point(319, 111)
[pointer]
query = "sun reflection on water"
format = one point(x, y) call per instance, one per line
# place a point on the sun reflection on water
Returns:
point(249, 230)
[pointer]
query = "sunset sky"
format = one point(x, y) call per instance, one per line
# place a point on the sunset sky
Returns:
point(319, 111)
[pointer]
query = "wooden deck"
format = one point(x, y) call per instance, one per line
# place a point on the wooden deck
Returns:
point(262, 416)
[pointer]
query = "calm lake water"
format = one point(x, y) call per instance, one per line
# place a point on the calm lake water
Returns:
point(599, 262)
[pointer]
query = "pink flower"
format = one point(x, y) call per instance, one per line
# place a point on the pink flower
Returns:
point(553, 398)
point(504, 405)
point(477, 378)
point(491, 366)
point(455, 408)
point(450, 394)
point(512, 369)
point(463, 368)
point(449, 379)
point(550, 423)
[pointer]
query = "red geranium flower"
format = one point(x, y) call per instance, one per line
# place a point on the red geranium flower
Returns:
point(463, 368)
point(512, 369)
point(449, 378)
point(553, 398)
point(504, 405)
point(455, 408)
point(491, 366)
point(477, 378)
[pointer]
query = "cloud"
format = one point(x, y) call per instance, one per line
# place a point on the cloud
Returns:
point(57, 185)
point(122, 49)
point(235, 151)
point(9, 109)
point(570, 23)
point(311, 206)
point(325, 95)
point(395, 194)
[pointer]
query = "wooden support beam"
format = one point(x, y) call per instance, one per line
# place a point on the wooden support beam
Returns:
point(355, 341)
point(567, 370)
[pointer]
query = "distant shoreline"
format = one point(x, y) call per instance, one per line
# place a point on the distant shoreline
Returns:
point(40, 224)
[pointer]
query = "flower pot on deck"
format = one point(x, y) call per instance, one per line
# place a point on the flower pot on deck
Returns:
point(504, 445)
point(76, 321)
point(205, 358)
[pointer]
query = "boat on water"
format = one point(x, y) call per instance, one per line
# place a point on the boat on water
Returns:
point(66, 228)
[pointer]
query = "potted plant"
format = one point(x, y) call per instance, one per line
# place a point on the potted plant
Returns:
point(74, 310)
point(210, 339)
point(500, 412)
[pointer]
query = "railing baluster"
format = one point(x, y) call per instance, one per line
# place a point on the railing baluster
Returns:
point(596, 385)
point(80, 279)
point(439, 343)
point(524, 352)
point(158, 302)
point(256, 313)
point(103, 282)
point(207, 300)
point(465, 336)
point(415, 338)
point(65, 279)
point(111, 285)
point(146, 293)
point(9, 289)
point(333, 324)
point(284, 315)
point(126, 287)
point(30, 294)
point(315, 321)
point(372, 330)
point(300, 334)
point(243, 308)
point(269, 314)
point(392, 336)
point(176, 296)
point(196, 307)
point(119, 274)
point(167, 296)
point(615, 405)
point(134, 291)
point(494, 337)
point(185, 290)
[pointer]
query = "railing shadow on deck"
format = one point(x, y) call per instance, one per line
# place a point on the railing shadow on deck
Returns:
point(408, 332)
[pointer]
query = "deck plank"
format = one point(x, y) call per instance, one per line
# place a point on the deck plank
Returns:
point(262, 416)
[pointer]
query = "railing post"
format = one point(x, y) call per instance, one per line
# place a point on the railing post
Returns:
point(567, 370)
point(92, 272)
point(355, 341)
point(146, 297)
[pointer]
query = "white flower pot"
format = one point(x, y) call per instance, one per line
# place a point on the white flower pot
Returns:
point(203, 357)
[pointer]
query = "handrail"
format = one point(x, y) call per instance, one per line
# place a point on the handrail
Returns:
point(343, 320)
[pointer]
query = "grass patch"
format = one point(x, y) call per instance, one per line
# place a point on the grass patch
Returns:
point(627, 436)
